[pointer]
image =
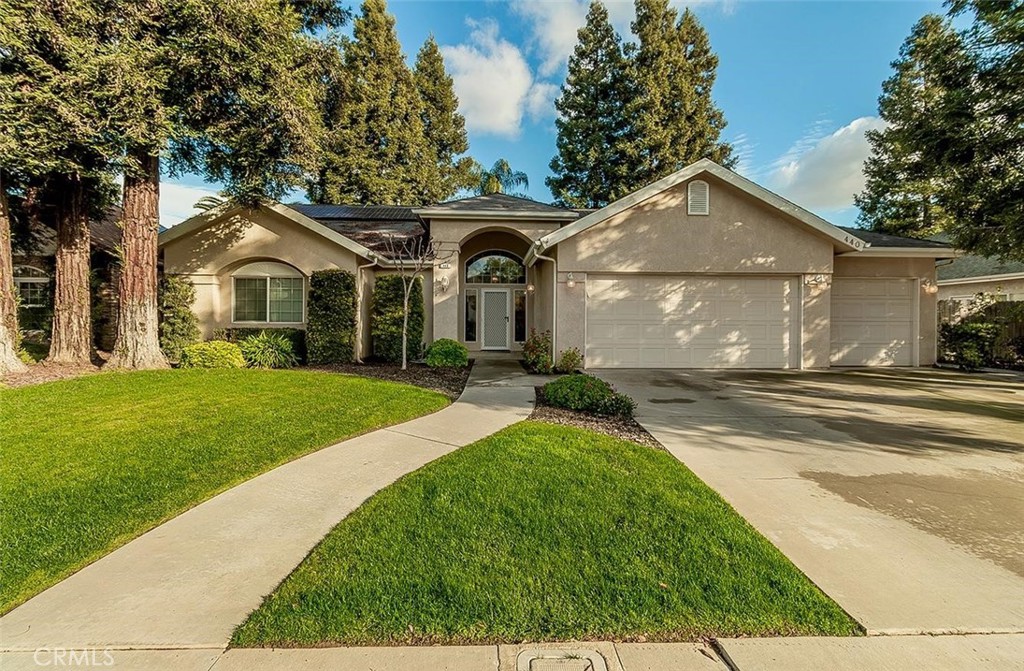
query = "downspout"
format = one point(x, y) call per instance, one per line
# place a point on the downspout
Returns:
point(554, 301)
point(359, 307)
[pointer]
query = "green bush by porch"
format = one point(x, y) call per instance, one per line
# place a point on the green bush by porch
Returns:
point(386, 319)
point(331, 317)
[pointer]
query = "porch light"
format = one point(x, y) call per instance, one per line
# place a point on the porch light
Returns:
point(929, 287)
point(530, 288)
point(570, 280)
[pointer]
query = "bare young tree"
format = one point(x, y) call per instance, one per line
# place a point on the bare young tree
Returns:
point(410, 257)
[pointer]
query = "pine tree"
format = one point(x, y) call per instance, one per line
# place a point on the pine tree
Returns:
point(590, 167)
point(675, 121)
point(905, 176)
point(376, 149)
point(443, 126)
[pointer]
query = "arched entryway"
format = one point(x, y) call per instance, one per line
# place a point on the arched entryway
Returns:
point(495, 291)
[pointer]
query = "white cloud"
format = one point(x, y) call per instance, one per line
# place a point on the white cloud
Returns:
point(743, 151)
point(494, 83)
point(177, 201)
point(824, 173)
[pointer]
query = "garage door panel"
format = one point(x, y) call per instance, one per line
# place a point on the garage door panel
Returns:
point(873, 322)
point(689, 322)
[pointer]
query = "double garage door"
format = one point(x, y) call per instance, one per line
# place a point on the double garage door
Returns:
point(692, 322)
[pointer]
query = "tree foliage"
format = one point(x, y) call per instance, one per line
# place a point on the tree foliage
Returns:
point(500, 178)
point(590, 169)
point(952, 158)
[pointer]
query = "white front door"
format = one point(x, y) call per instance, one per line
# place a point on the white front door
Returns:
point(495, 318)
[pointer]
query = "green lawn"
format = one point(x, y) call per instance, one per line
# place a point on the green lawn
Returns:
point(542, 532)
point(91, 463)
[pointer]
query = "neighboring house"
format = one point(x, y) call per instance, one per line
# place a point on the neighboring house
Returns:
point(970, 275)
point(701, 269)
point(34, 270)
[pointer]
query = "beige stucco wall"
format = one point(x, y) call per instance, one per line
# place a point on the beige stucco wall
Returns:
point(1012, 289)
point(459, 240)
point(741, 235)
point(209, 256)
point(922, 269)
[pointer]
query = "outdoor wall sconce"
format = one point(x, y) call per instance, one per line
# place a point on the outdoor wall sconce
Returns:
point(570, 280)
point(444, 283)
point(929, 287)
point(530, 288)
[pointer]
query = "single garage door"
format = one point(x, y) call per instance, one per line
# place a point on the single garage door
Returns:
point(690, 322)
point(873, 322)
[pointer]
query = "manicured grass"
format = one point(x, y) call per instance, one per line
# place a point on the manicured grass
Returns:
point(542, 532)
point(92, 462)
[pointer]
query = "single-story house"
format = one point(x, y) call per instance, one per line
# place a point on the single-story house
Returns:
point(971, 274)
point(701, 269)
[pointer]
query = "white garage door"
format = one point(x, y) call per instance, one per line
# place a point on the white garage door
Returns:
point(873, 322)
point(690, 322)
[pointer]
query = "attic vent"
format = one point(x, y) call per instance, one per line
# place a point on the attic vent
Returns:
point(698, 200)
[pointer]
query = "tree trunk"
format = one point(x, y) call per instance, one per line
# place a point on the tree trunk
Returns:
point(137, 340)
point(405, 324)
point(9, 361)
point(71, 341)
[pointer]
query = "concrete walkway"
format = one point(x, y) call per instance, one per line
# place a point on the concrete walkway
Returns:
point(188, 583)
point(996, 652)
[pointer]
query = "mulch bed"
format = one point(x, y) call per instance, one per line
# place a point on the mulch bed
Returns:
point(625, 428)
point(43, 371)
point(447, 381)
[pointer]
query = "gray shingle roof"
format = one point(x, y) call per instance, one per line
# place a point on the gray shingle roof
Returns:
point(359, 212)
point(978, 266)
point(499, 202)
point(876, 239)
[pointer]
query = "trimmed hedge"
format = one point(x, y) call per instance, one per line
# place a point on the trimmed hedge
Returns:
point(212, 354)
point(386, 318)
point(586, 393)
point(331, 317)
point(179, 326)
point(447, 353)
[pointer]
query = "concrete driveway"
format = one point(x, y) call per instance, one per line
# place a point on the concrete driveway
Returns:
point(899, 492)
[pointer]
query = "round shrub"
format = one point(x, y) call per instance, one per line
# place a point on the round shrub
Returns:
point(267, 349)
point(586, 393)
point(212, 354)
point(447, 353)
point(569, 360)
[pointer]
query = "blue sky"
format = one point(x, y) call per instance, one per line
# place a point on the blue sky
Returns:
point(798, 82)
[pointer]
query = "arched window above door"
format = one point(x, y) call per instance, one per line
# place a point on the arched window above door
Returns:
point(495, 267)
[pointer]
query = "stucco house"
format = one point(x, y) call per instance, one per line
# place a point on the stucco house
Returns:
point(971, 274)
point(701, 269)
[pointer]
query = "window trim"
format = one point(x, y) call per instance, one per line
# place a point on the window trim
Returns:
point(267, 278)
point(689, 198)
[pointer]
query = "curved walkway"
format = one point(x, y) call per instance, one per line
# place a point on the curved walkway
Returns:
point(189, 582)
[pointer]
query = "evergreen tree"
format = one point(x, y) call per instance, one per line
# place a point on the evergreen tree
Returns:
point(590, 169)
point(376, 149)
point(904, 184)
point(672, 68)
point(443, 126)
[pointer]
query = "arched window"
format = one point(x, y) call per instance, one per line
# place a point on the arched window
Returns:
point(495, 267)
point(698, 197)
point(31, 285)
point(268, 293)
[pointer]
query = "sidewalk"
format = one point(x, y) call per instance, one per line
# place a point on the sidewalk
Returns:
point(189, 582)
point(1004, 652)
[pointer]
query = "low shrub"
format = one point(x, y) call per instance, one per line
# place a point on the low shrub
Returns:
point(586, 393)
point(447, 353)
point(268, 350)
point(331, 317)
point(569, 361)
point(970, 345)
point(297, 337)
point(212, 354)
point(179, 326)
point(387, 314)
point(537, 352)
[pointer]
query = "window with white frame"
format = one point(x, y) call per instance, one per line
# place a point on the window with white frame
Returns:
point(31, 284)
point(268, 293)
point(698, 197)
